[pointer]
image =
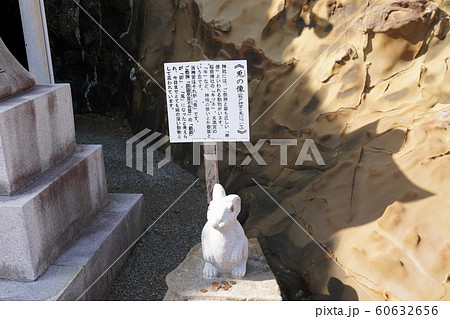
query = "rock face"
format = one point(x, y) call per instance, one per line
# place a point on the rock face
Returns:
point(85, 56)
point(371, 89)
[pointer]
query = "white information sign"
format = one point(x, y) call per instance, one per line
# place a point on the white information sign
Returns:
point(207, 101)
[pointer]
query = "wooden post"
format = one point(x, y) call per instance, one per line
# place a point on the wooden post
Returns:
point(211, 168)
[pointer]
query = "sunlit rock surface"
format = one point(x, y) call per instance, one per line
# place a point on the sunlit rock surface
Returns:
point(370, 85)
point(375, 103)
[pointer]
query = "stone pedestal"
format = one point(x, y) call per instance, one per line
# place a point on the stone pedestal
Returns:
point(40, 220)
point(186, 282)
point(59, 229)
point(13, 77)
point(36, 132)
point(88, 256)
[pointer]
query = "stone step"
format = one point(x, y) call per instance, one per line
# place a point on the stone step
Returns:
point(88, 256)
point(40, 220)
point(36, 131)
point(187, 282)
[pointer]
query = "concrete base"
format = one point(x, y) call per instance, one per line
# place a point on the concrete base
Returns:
point(39, 221)
point(36, 131)
point(87, 257)
point(187, 281)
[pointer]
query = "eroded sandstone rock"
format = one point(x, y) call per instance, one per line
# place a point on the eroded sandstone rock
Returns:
point(371, 103)
point(400, 14)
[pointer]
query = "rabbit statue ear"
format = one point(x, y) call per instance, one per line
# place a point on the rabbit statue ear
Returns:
point(218, 192)
point(236, 200)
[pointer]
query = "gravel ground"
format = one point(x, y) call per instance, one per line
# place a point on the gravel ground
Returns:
point(166, 244)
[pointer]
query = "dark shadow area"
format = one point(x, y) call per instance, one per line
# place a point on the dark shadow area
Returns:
point(11, 30)
point(337, 292)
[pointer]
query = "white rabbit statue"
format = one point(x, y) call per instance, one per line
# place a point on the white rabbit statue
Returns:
point(224, 244)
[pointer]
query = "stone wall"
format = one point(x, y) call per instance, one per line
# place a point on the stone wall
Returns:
point(87, 58)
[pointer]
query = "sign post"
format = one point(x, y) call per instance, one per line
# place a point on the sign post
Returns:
point(211, 168)
point(207, 101)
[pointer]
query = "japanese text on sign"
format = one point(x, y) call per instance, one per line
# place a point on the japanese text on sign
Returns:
point(207, 101)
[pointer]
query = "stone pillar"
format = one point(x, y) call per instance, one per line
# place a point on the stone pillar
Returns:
point(37, 44)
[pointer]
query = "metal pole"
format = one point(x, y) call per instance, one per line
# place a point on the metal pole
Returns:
point(36, 40)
